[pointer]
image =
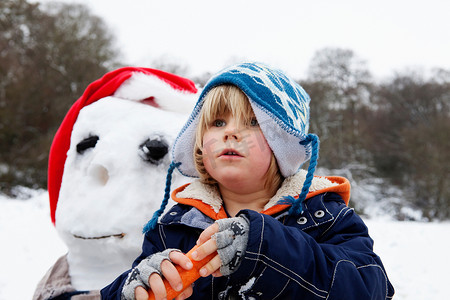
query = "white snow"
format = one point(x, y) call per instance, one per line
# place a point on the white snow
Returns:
point(29, 245)
point(415, 254)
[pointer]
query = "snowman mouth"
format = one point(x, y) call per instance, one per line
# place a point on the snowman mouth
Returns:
point(119, 235)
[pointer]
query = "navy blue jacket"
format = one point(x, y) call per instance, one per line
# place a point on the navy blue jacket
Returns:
point(325, 253)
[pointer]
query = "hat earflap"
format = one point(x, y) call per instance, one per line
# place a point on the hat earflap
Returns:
point(296, 207)
point(154, 220)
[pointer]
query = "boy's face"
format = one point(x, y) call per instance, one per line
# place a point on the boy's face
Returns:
point(236, 155)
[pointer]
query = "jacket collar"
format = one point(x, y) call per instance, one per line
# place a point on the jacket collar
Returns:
point(207, 198)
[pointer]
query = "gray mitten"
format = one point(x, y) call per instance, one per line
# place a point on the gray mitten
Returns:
point(141, 273)
point(231, 241)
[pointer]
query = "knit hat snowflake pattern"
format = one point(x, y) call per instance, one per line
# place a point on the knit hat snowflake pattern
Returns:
point(281, 107)
point(147, 85)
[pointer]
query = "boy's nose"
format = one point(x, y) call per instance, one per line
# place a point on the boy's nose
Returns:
point(232, 133)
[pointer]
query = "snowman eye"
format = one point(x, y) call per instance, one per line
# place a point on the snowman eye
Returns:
point(87, 143)
point(153, 150)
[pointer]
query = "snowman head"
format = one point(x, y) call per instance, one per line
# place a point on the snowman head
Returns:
point(109, 159)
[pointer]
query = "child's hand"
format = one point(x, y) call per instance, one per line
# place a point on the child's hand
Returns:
point(229, 238)
point(207, 247)
point(149, 272)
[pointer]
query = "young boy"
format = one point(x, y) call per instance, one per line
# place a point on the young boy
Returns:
point(279, 232)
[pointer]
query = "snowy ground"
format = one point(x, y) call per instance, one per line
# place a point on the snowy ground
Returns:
point(415, 254)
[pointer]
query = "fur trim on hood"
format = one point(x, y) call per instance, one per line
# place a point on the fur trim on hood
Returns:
point(196, 191)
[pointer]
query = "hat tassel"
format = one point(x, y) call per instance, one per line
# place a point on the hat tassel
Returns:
point(296, 207)
point(154, 220)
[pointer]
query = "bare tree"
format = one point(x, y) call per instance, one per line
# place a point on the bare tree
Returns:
point(48, 57)
point(411, 137)
point(340, 85)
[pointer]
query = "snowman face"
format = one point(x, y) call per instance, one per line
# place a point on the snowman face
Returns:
point(114, 177)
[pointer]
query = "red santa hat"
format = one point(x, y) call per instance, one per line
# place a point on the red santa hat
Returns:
point(154, 87)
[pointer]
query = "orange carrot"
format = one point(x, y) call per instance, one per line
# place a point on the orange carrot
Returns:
point(187, 276)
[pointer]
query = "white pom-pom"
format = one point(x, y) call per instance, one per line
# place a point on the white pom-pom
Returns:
point(142, 86)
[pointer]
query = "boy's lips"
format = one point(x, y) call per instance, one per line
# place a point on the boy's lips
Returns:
point(230, 152)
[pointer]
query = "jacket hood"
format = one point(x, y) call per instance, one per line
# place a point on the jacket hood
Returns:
point(206, 198)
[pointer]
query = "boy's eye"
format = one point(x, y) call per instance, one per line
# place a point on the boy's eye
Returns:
point(254, 122)
point(219, 123)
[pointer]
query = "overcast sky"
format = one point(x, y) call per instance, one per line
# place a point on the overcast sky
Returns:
point(206, 35)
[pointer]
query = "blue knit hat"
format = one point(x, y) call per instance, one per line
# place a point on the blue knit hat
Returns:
point(281, 107)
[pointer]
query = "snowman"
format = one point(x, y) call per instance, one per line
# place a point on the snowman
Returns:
point(106, 176)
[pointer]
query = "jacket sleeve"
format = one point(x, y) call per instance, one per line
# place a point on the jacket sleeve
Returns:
point(333, 260)
point(151, 244)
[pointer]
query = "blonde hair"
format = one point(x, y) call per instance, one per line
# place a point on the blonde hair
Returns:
point(220, 101)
